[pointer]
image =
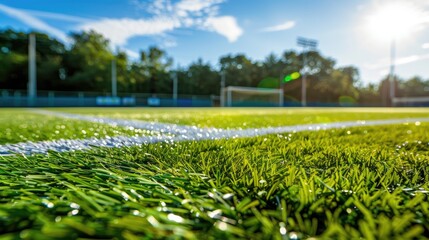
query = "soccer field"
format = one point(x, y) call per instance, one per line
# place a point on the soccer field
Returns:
point(354, 177)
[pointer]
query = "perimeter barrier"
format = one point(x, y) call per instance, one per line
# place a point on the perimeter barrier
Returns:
point(19, 98)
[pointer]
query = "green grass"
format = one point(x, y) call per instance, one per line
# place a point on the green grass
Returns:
point(17, 125)
point(250, 117)
point(357, 183)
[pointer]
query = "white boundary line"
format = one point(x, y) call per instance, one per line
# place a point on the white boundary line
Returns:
point(169, 133)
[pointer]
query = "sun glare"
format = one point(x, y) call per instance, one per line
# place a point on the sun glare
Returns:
point(396, 20)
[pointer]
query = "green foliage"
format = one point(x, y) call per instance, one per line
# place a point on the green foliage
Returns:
point(88, 62)
point(413, 87)
point(199, 78)
point(87, 67)
point(347, 101)
point(269, 82)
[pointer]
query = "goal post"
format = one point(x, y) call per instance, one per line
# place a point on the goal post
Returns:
point(235, 96)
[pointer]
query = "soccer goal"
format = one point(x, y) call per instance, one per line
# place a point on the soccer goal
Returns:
point(234, 96)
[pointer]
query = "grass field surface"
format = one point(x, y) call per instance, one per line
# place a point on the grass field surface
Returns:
point(249, 117)
point(20, 125)
point(351, 183)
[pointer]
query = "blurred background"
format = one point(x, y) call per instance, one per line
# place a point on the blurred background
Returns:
point(214, 53)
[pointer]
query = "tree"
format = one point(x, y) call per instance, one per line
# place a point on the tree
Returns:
point(155, 64)
point(14, 59)
point(239, 70)
point(413, 87)
point(201, 79)
point(369, 95)
point(88, 62)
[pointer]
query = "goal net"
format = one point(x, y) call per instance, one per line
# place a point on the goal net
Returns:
point(233, 96)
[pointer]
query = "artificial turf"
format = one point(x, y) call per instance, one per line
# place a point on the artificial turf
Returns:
point(20, 125)
point(364, 182)
point(249, 117)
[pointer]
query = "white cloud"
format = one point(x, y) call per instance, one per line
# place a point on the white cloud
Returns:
point(32, 21)
point(226, 26)
point(57, 16)
point(385, 63)
point(132, 54)
point(196, 5)
point(281, 27)
point(118, 31)
point(200, 14)
point(166, 17)
point(425, 45)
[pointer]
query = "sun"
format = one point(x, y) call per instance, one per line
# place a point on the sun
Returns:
point(394, 20)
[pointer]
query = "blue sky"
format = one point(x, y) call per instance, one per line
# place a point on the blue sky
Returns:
point(348, 31)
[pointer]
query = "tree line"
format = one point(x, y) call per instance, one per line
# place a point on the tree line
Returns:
point(84, 65)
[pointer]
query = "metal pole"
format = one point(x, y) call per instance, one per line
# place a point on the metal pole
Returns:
point(175, 82)
point(32, 78)
point(222, 87)
point(229, 100)
point(282, 90)
point(304, 81)
point(114, 81)
point(305, 43)
point(392, 72)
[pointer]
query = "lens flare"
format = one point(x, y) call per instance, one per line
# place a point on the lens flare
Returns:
point(292, 76)
point(395, 20)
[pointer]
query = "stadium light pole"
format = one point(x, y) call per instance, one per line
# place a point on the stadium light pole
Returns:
point(175, 86)
point(305, 43)
point(222, 87)
point(392, 71)
point(32, 76)
point(114, 78)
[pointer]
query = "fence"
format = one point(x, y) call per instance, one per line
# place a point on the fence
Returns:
point(19, 98)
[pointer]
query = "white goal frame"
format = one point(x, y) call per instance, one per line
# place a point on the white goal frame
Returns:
point(226, 94)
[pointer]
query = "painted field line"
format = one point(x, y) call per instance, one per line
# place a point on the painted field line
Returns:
point(172, 133)
point(162, 128)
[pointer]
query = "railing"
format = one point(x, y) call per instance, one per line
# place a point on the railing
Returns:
point(19, 98)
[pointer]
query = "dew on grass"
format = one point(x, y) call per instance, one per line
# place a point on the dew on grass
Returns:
point(136, 212)
point(283, 229)
point(74, 205)
point(228, 196)
point(152, 220)
point(293, 236)
point(47, 203)
point(175, 218)
point(73, 212)
point(221, 226)
point(422, 190)
point(215, 214)
point(125, 196)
